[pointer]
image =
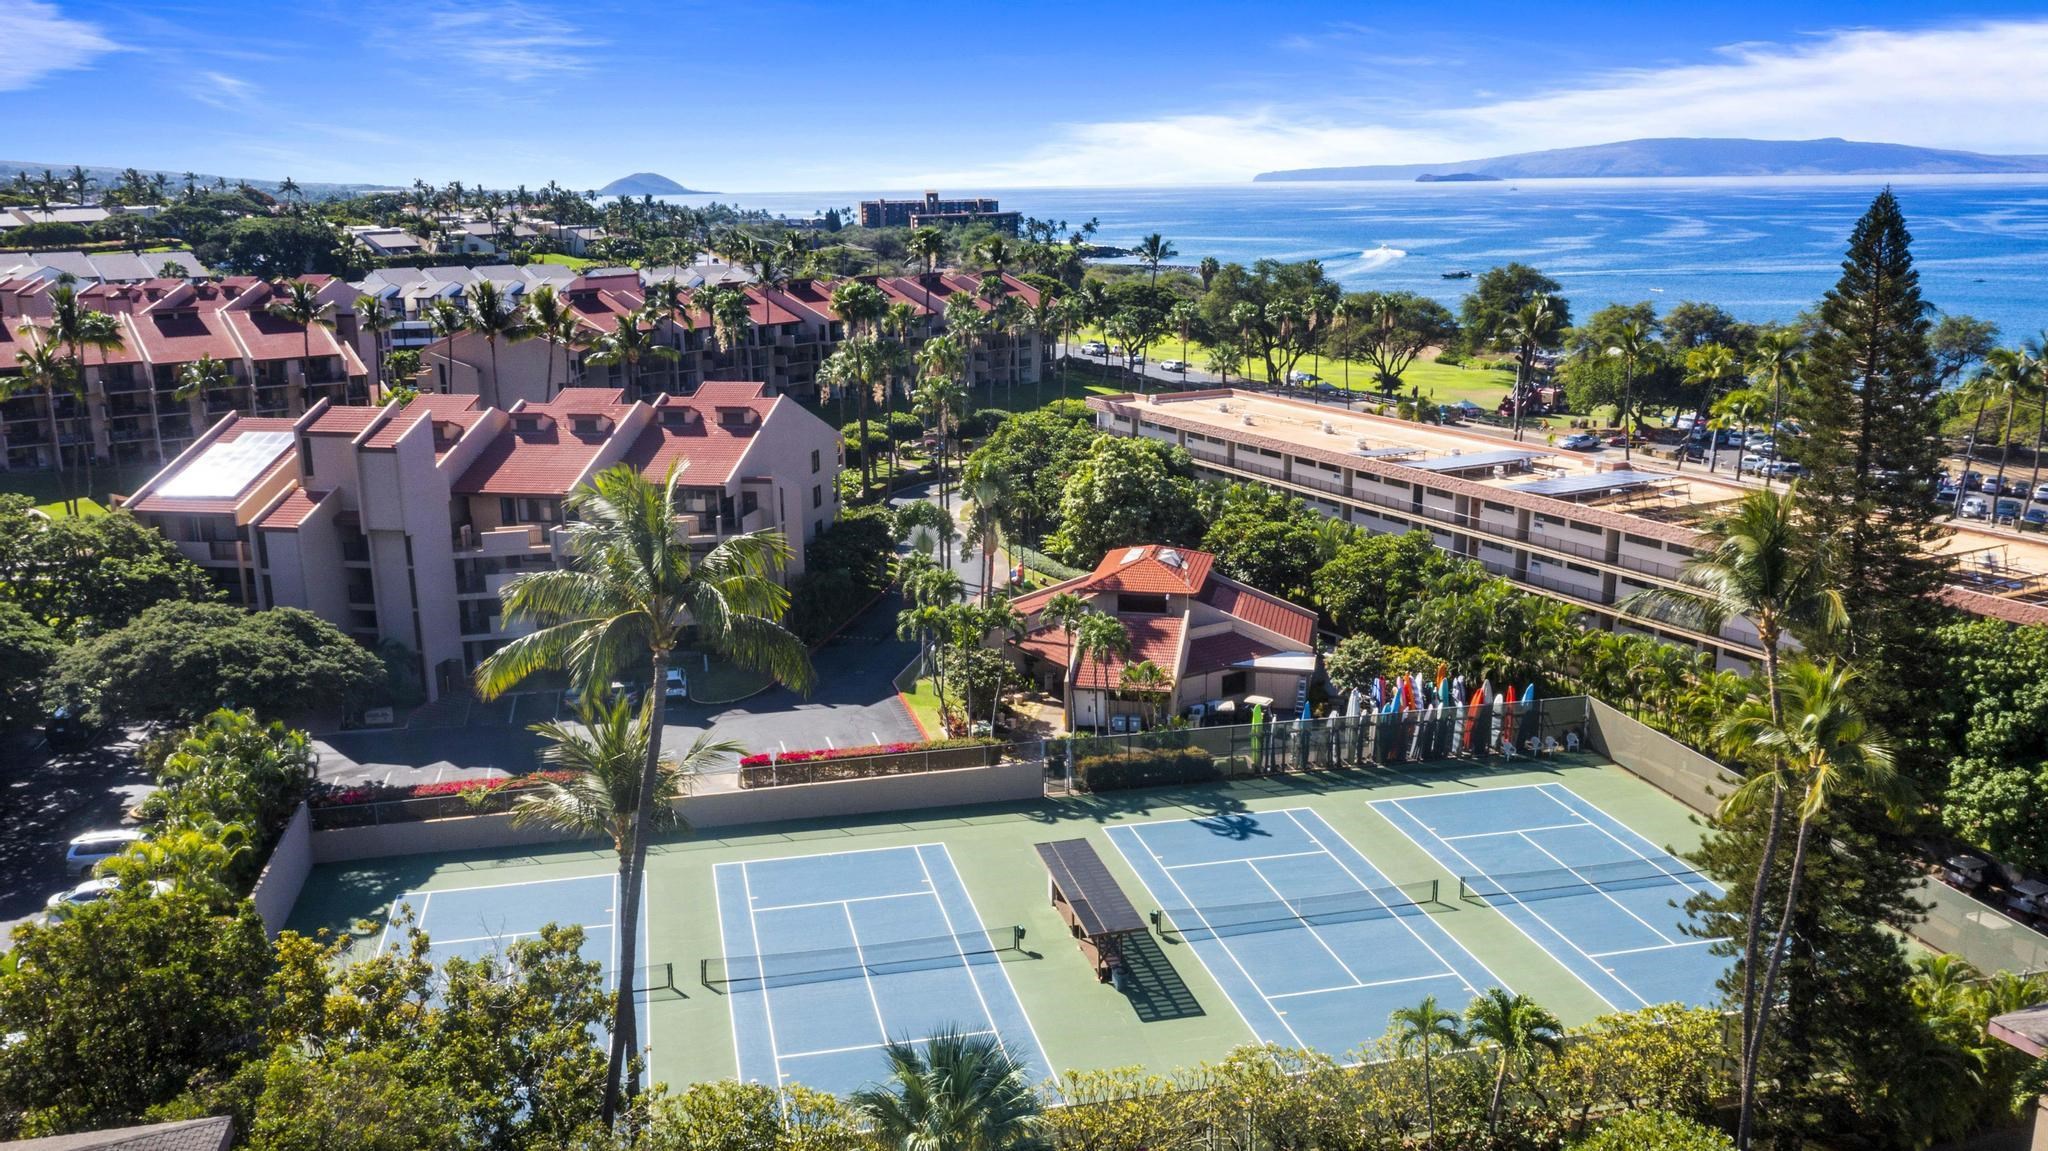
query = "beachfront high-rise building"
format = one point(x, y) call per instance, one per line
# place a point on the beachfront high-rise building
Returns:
point(934, 210)
point(1586, 530)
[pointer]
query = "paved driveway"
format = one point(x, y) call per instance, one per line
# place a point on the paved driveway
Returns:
point(46, 799)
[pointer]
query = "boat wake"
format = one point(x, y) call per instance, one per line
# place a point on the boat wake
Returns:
point(1380, 257)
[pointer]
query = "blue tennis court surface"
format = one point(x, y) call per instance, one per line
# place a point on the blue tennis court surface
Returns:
point(829, 957)
point(471, 922)
point(1311, 942)
point(1603, 901)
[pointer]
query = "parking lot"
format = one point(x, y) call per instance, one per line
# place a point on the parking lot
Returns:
point(853, 703)
point(45, 799)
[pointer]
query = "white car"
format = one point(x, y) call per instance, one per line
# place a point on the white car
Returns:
point(2041, 494)
point(676, 688)
point(91, 891)
point(1095, 348)
point(1173, 365)
point(1974, 508)
point(88, 850)
point(1301, 377)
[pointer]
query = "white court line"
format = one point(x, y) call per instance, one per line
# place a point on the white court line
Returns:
point(1657, 947)
point(501, 936)
point(419, 917)
point(1244, 859)
point(1627, 846)
point(879, 1046)
point(1000, 969)
point(612, 875)
point(1317, 935)
point(767, 1002)
point(1604, 893)
point(1375, 983)
point(1514, 830)
point(1397, 805)
point(1448, 969)
point(837, 902)
point(733, 1003)
point(866, 977)
point(1235, 961)
point(947, 917)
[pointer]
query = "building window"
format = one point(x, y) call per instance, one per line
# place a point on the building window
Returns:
point(814, 461)
point(1141, 604)
point(1234, 683)
point(817, 496)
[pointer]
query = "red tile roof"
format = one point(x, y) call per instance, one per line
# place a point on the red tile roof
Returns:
point(531, 461)
point(712, 450)
point(1153, 637)
point(269, 337)
point(463, 410)
point(343, 420)
point(291, 511)
point(184, 326)
point(1152, 569)
point(1224, 650)
point(1259, 609)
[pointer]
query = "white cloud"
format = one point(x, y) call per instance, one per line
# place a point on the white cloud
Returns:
point(1978, 86)
point(41, 40)
point(509, 40)
point(220, 90)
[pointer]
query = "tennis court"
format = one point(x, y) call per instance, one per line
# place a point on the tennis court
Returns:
point(1602, 900)
point(1311, 942)
point(471, 922)
point(829, 957)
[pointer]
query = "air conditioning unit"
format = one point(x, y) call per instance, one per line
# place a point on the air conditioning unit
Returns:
point(1329, 429)
point(1362, 444)
point(1245, 419)
point(1223, 405)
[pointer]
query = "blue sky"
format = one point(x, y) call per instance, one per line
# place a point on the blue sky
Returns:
point(775, 95)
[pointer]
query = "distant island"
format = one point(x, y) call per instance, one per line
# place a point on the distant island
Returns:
point(1691, 156)
point(646, 184)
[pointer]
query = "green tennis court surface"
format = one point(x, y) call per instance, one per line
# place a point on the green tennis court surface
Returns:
point(781, 1004)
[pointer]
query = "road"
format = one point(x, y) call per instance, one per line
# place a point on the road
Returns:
point(45, 800)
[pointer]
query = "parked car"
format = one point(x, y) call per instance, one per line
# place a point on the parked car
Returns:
point(619, 689)
point(1993, 486)
point(66, 729)
point(86, 851)
point(676, 688)
point(1972, 481)
point(1785, 469)
point(1301, 378)
point(1137, 359)
point(1580, 442)
point(2041, 494)
point(1173, 365)
point(1945, 495)
point(1974, 507)
point(1095, 348)
point(2005, 511)
point(1324, 388)
point(91, 891)
point(2034, 519)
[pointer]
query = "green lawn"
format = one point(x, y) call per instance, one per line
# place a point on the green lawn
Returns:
point(577, 262)
point(924, 707)
point(48, 487)
point(1484, 385)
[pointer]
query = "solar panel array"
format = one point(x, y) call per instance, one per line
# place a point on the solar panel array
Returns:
point(1471, 461)
point(223, 470)
point(1590, 483)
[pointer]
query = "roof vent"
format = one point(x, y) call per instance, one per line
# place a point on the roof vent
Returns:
point(1245, 419)
point(1223, 405)
point(1170, 558)
point(1132, 556)
point(1329, 429)
point(1361, 444)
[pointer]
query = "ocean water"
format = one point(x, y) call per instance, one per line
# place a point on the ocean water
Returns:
point(1764, 249)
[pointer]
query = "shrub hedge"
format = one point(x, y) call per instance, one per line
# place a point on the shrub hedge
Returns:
point(1153, 768)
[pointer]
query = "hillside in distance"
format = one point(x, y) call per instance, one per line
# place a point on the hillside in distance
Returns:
point(645, 184)
point(1694, 156)
point(104, 177)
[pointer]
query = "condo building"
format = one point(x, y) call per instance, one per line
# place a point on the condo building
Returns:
point(1589, 530)
point(933, 210)
point(403, 522)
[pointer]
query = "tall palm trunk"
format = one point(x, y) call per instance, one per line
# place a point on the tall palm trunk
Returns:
point(625, 1040)
point(1500, 1090)
point(1969, 454)
point(2004, 449)
point(1745, 1129)
point(2040, 427)
point(1755, 1011)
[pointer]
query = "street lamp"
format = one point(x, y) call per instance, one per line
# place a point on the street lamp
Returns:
point(1628, 366)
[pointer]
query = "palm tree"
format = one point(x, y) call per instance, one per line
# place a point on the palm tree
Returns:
point(299, 303)
point(2037, 348)
point(1520, 1030)
point(1776, 357)
point(630, 588)
point(1099, 635)
point(861, 307)
point(1632, 343)
point(1148, 681)
point(954, 1092)
point(1828, 748)
point(372, 318)
point(859, 365)
point(996, 252)
point(940, 400)
point(1736, 409)
point(729, 314)
point(555, 324)
point(1426, 1027)
point(2016, 378)
point(202, 375)
point(1183, 316)
point(1065, 611)
point(1705, 368)
point(1534, 325)
point(494, 315)
point(1763, 561)
point(1207, 269)
point(988, 497)
point(630, 342)
point(75, 327)
point(927, 244)
point(445, 321)
point(1153, 251)
point(42, 367)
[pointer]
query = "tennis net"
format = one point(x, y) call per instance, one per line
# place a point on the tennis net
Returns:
point(1280, 914)
point(855, 961)
point(1553, 882)
point(653, 977)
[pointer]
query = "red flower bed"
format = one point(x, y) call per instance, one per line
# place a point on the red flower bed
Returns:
point(378, 793)
point(817, 753)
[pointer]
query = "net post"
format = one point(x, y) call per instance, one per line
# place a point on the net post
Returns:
point(704, 972)
point(1435, 890)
